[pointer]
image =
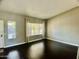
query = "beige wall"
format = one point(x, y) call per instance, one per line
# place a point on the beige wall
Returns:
point(20, 27)
point(65, 27)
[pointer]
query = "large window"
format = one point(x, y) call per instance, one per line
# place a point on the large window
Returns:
point(35, 29)
point(11, 29)
point(1, 33)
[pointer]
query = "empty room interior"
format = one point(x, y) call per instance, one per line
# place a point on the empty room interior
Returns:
point(39, 29)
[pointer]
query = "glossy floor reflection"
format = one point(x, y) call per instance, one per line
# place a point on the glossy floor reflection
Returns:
point(42, 50)
point(57, 50)
point(36, 51)
point(13, 55)
point(32, 51)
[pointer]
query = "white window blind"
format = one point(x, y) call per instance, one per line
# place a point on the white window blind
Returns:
point(34, 29)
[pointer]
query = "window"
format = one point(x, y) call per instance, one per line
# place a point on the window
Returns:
point(11, 30)
point(35, 29)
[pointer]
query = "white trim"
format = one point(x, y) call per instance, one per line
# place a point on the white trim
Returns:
point(34, 40)
point(14, 45)
point(64, 42)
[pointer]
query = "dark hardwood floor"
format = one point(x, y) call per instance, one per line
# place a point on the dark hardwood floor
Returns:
point(42, 50)
point(56, 50)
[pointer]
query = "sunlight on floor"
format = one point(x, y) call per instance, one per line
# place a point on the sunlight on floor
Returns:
point(13, 55)
point(36, 51)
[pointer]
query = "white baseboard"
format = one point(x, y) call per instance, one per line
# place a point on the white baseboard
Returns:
point(64, 42)
point(34, 40)
point(14, 45)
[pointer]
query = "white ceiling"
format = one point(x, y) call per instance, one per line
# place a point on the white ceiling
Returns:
point(38, 8)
